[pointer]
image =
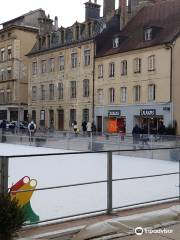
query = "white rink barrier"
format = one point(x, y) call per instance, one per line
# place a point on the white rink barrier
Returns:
point(129, 223)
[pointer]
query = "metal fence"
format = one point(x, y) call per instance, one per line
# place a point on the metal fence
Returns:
point(4, 160)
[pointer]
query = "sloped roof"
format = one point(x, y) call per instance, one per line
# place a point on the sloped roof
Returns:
point(164, 16)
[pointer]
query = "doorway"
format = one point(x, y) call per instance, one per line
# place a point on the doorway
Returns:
point(61, 120)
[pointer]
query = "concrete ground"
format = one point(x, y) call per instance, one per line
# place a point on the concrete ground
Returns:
point(65, 230)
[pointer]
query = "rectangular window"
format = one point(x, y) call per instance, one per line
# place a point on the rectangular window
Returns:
point(111, 69)
point(74, 60)
point(9, 73)
point(2, 54)
point(100, 97)
point(137, 65)
point(2, 97)
point(87, 57)
point(61, 63)
point(137, 93)
point(86, 88)
point(111, 95)
point(43, 92)
point(34, 93)
point(9, 95)
point(123, 67)
point(123, 94)
point(51, 91)
point(34, 68)
point(151, 63)
point(2, 75)
point(60, 91)
point(85, 116)
point(152, 92)
point(43, 66)
point(9, 52)
point(72, 116)
point(148, 34)
point(73, 89)
point(51, 65)
point(100, 71)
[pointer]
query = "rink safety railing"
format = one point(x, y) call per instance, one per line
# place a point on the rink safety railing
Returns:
point(4, 162)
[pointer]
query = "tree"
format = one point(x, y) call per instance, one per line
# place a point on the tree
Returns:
point(12, 217)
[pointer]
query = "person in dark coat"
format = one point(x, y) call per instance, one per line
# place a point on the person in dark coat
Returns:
point(84, 127)
point(136, 134)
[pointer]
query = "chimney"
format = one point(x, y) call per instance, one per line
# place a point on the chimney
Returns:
point(56, 23)
point(108, 9)
point(123, 13)
point(92, 10)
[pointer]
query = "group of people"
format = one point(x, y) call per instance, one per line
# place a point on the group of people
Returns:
point(87, 127)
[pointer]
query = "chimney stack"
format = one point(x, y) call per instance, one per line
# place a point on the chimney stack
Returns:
point(56, 23)
point(92, 10)
point(108, 9)
point(123, 13)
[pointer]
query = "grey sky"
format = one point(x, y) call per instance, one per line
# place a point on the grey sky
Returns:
point(68, 11)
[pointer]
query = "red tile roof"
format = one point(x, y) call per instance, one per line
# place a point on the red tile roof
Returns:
point(163, 16)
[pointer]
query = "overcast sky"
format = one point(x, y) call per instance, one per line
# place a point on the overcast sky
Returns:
point(68, 11)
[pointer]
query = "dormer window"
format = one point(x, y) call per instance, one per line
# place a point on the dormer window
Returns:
point(116, 42)
point(148, 34)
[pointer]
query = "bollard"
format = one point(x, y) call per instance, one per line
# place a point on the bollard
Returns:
point(109, 182)
point(4, 174)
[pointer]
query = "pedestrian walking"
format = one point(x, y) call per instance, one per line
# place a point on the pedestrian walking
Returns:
point(136, 134)
point(84, 127)
point(89, 128)
point(75, 128)
point(31, 130)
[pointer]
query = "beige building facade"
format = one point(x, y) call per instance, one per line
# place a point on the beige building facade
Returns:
point(60, 86)
point(136, 86)
point(15, 43)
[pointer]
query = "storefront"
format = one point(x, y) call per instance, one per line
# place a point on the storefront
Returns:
point(149, 121)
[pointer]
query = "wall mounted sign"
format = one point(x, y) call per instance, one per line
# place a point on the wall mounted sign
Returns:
point(114, 113)
point(148, 112)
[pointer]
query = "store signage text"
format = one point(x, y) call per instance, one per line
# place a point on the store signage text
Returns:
point(148, 112)
point(114, 113)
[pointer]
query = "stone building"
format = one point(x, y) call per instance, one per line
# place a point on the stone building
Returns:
point(61, 74)
point(17, 37)
point(137, 73)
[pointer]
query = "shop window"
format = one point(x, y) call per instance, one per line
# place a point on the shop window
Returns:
point(51, 91)
point(123, 94)
point(60, 91)
point(137, 93)
point(73, 89)
point(34, 115)
point(34, 93)
point(111, 95)
point(61, 63)
point(86, 115)
point(137, 65)
point(151, 63)
point(86, 88)
point(152, 92)
point(100, 71)
point(123, 67)
point(112, 69)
